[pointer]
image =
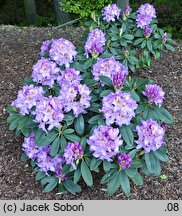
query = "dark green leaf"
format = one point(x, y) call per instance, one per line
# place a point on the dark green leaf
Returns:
point(127, 135)
point(138, 41)
point(161, 155)
point(40, 175)
point(114, 183)
point(106, 80)
point(152, 163)
point(24, 157)
point(83, 142)
point(135, 96)
point(63, 142)
point(86, 174)
point(105, 93)
point(94, 164)
point(106, 165)
point(11, 110)
point(48, 139)
point(87, 64)
point(164, 115)
point(125, 183)
point(79, 124)
point(71, 186)
point(72, 137)
point(55, 147)
point(77, 174)
point(134, 176)
point(128, 37)
point(14, 123)
point(106, 178)
point(50, 186)
point(68, 131)
point(169, 47)
point(94, 119)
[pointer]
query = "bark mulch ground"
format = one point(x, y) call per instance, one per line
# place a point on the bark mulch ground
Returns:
point(19, 50)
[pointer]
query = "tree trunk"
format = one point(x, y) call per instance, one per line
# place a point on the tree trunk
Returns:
point(30, 11)
point(61, 16)
point(122, 4)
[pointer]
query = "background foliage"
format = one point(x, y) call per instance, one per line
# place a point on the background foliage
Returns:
point(12, 12)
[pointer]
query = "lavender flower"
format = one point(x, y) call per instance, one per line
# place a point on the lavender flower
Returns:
point(49, 112)
point(124, 161)
point(73, 153)
point(45, 72)
point(27, 98)
point(62, 52)
point(154, 93)
point(46, 45)
point(118, 80)
point(118, 108)
point(147, 32)
point(105, 142)
point(165, 37)
point(151, 136)
point(111, 13)
point(95, 43)
point(75, 97)
point(108, 67)
point(68, 77)
point(128, 10)
point(29, 147)
point(145, 14)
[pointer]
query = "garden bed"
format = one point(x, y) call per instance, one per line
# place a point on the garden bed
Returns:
point(19, 51)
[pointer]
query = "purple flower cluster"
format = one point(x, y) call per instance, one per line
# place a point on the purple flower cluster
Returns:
point(105, 142)
point(154, 93)
point(111, 12)
point(45, 72)
point(124, 161)
point(118, 80)
point(118, 108)
point(46, 45)
point(75, 97)
point(49, 112)
point(62, 52)
point(30, 148)
point(73, 153)
point(126, 12)
point(108, 67)
point(44, 161)
point(145, 14)
point(147, 32)
point(68, 77)
point(151, 136)
point(95, 42)
point(27, 98)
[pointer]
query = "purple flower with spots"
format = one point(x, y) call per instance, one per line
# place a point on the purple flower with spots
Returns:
point(30, 148)
point(151, 136)
point(147, 32)
point(62, 51)
point(124, 160)
point(95, 43)
point(111, 13)
point(75, 97)
point(105, 142)
point(154, 93)
point(45, 72)
point(68, 77)
point(108, 67)
point(145, 14)
point(46, 45)
point(27, 98)
point(118, 108)
point(49, 113)
point(73, 153)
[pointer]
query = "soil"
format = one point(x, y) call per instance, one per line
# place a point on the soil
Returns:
point(19, 50)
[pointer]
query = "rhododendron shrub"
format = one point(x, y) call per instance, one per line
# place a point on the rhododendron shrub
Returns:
point(82, 112)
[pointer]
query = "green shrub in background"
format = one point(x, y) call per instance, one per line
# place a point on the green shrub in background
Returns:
point(84, 8)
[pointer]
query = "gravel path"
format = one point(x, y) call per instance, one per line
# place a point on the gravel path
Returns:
point(19, 50)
